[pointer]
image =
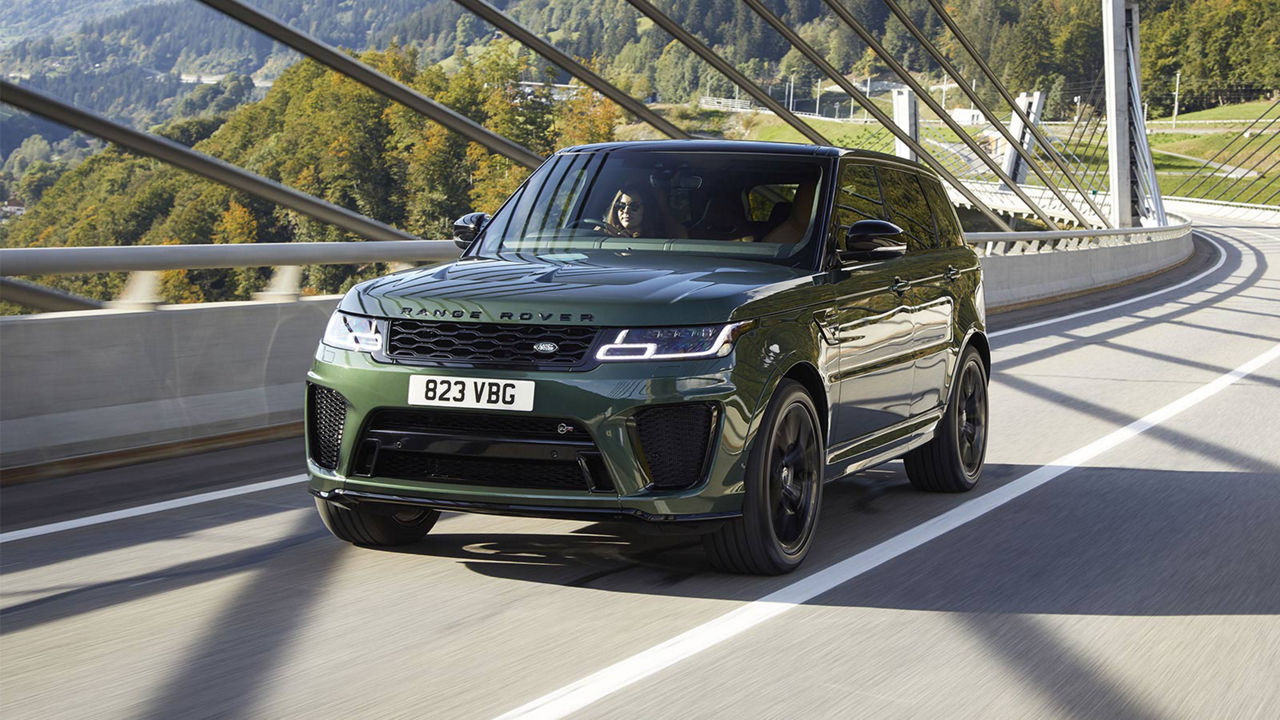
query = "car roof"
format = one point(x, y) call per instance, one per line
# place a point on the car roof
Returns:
point(747, 146)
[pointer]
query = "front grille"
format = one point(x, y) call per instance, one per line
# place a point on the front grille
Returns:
point(536, 475)
point(673, 442)
point(508, 426)
point(492, 344)
point(326, 414)
point(394, 445)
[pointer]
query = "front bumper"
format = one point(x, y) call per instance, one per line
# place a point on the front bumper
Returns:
point(603, 401)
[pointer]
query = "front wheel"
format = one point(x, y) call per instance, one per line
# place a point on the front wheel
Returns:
point(385, 526)
point(952, 460)
point(783, 491)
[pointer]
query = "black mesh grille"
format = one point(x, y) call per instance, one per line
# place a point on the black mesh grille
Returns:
point(673, 440)
point(326, 413)
point(540, 475)
point(489, 343)
point(510, 426)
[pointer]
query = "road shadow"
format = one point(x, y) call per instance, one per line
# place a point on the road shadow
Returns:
point(1098, 541)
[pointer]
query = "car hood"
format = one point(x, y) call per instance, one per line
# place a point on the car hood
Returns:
point(598, 288)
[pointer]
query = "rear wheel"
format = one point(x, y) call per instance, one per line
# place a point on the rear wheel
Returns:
point(952, 460)
point(783, 491)
point(385, 526)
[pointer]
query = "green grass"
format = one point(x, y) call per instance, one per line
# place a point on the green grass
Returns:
point(1242, 112)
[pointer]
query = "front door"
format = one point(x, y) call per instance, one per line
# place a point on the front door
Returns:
point(869, 323)
point(932, 271)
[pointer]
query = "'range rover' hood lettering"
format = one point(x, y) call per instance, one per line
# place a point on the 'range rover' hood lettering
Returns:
point(601, 289)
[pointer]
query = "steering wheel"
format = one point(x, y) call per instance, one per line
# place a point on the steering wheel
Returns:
point(591, 223)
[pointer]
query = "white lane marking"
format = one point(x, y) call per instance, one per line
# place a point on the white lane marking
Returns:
point(584, 692)
point(148, 509)
point(1222, 258)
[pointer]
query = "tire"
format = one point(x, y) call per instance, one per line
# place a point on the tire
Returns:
point(783, 493)
point(952, 460)
point(377, 526)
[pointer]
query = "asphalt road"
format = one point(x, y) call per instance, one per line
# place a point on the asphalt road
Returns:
point(1141, 579)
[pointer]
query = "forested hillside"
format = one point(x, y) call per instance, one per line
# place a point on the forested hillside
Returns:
point(325, 135)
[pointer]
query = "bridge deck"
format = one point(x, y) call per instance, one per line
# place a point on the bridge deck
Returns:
point(1141, 584)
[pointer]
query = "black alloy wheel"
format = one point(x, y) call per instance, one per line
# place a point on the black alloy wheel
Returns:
point(783, 491)
point(952, 461)
point(971, 420)
point(793, 476)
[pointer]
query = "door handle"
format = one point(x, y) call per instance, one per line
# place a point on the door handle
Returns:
point(951, 274)
point(899, 285)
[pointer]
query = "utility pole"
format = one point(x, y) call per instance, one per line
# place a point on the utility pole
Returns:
point(817, 99)
point(1177, 86)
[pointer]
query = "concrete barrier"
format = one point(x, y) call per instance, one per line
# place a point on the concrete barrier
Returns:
point(91, 382)
point(84, 384)
point(1012, 280)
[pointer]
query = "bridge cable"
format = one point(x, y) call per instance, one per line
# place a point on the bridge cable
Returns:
point(1259, 175)
point(991, 77)
point(925, 97)
point(807, 50)
point(175, 153)
point(1213, 157)
point(1227, 163)
point(1015, 143)
point(593, 80)
point(378, 82)
point(707, 54)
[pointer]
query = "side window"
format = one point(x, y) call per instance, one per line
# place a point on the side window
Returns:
point(857, 198)
point(764, 201)
point(909, 209)
point(944, 213)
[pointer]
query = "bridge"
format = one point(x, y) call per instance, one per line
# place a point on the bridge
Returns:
point(160, 557)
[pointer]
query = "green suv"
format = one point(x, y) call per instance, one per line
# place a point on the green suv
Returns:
point(692, 334)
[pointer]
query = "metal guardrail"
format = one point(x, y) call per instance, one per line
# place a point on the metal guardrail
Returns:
point(137, 258)
point(1031, 243)
point(142, 258)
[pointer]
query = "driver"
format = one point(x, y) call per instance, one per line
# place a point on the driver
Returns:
point(632, 213)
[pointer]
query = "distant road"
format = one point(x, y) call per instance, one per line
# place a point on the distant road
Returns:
point(1140, 580)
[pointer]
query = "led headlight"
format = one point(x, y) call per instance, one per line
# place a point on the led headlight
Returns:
point(352, 332)
point(675, 343)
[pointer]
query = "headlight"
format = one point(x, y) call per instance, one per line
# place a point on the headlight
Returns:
point(352, 332)
point(678, 343)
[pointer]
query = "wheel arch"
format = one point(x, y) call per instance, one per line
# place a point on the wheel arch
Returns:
point(978, 340)
point(808, 376)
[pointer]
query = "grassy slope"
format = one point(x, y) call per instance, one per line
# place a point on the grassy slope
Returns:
point(1243, 112)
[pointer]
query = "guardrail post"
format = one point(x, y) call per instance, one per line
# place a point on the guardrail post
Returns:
point(906, 114)
point(141, 292)
point(285, 285)
point(1033, 105)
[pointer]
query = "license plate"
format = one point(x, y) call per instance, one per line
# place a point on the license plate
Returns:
point(438, 391)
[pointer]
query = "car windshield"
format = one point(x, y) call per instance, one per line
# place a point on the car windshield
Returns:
point(750, 205)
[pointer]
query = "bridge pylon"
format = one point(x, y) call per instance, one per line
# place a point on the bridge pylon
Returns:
point(1135, 195)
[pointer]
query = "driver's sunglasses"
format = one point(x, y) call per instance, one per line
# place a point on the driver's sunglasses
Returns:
point(631, 206)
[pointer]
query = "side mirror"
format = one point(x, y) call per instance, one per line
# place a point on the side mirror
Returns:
point(870, 241)
point(467, 227)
